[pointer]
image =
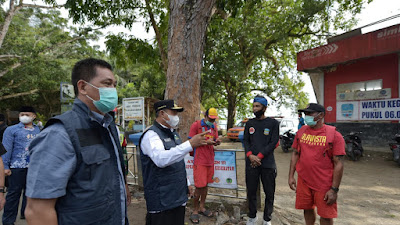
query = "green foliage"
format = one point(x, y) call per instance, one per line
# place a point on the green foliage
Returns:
point(251, 47)
point(138, 66)
point(46, 53)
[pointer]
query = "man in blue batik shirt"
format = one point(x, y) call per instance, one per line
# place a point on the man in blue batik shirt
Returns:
point(16, 140)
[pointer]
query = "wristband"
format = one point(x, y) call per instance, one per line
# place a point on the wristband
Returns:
point(335, 189)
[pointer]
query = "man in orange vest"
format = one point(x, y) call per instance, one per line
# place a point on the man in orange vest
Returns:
point(203, 169)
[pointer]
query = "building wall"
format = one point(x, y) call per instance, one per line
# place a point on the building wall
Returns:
point(384, 67)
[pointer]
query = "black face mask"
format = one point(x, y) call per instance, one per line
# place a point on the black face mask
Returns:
point(259, 114)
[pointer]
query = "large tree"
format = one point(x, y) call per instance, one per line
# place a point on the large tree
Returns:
point(187, 23)
point(252, 45)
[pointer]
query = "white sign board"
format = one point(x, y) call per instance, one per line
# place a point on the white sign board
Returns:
point(388, 109)
point(347, 110)
point(385, 109)
point(224, 170)
point(133, 108)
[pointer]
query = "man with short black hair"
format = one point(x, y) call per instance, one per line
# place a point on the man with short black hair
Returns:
point(16, 140)
point(76, 175)
point(317, 158)
point(261, 134)
point(164, 174)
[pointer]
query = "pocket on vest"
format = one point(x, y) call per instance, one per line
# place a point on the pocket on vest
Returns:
point(96, 160)
point(173, 192)
point(94, 215)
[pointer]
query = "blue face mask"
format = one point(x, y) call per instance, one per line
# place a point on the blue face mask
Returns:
point(108, 99)
point(309, 120)
point(210, 124)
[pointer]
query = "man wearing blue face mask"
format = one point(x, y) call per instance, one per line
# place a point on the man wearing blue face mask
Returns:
point(76, 175)
point(317, 158)
point(203, 166)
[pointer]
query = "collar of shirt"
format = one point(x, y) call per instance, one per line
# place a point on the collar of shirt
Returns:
point(105, 120)
point(20, 124)
point(172, 130)
point(203, 123)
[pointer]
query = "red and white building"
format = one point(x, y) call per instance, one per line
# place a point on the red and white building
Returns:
point(357, 77)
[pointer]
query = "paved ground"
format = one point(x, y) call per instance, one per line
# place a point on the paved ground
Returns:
point(369, 194)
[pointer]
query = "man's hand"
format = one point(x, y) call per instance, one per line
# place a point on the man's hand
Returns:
point(217, 142)
point(210, 142)
point(254, 161)
point(330, 197)
point(7, 172)
point(2, 201)
point(191, 191)
point(198, 140)
point(292, 183)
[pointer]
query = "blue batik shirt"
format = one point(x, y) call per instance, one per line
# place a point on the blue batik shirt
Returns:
point(16, 140)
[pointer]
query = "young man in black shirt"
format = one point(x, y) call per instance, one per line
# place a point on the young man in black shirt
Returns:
point(261, 134)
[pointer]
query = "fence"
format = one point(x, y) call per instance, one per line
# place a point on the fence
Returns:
point(135, 175)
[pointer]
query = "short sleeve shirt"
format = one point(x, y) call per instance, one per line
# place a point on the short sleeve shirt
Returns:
point(51, 148)
point(315, 165)
point(204, 155)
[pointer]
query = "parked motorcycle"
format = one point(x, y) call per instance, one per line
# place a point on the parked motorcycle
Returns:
point(354, 149)
point(395, 147)
point(286, 140)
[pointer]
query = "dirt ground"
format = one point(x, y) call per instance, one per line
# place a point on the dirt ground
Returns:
point(369, 193)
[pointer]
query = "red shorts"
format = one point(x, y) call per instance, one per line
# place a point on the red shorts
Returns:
point(307, 198)
point(202, 175)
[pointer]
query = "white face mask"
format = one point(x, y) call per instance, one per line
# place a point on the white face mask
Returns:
point(25, 119)
point(173, 120)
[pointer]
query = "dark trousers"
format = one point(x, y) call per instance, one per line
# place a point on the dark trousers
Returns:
point(17, 184)
point(174, 216)
point(252, 181)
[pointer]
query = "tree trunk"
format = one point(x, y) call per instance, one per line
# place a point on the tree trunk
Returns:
point(7, 21)
point(231, 111)
point(187, 29)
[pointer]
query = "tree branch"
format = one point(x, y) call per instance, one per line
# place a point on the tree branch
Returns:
point(19, 94)
point(16, 65)
point(6, 57)
point(158, 37)
point(41, 6)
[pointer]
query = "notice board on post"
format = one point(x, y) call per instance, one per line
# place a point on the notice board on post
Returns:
point(225, 175)
point(133, 109)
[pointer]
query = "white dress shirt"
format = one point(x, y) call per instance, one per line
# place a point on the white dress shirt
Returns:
point(153, 147)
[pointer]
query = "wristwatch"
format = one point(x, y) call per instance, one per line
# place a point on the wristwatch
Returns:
point(2, 190)
point(335, 189)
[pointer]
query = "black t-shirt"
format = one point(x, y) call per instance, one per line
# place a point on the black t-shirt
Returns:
point(261, 136)
point(2, 149)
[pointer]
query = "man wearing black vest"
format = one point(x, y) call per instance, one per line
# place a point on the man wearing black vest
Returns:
point(164, 174)
point(76, 174)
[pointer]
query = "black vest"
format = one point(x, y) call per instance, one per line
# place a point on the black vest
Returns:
point(164, 188)
point(93, 191)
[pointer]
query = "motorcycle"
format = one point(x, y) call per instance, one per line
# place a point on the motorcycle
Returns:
point(286, 140)
point(395, 147)
point(354, 149)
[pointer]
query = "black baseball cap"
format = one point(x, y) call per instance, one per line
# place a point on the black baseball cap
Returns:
point(27, 109)
point(313, 107)
point(167, 104)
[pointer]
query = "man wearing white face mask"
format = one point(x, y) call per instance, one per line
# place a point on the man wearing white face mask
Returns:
point(16, 140)
point(76, 175)
point(164, 174)
point(317, 158)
